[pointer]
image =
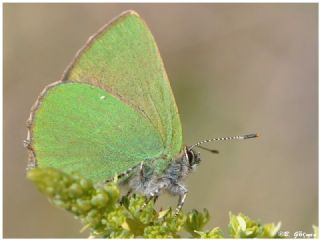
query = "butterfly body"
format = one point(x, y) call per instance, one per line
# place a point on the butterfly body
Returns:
point(143, 179)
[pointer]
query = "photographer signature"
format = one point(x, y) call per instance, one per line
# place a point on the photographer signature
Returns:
point(297, 234)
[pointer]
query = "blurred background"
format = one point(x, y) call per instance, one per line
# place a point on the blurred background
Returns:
point(234, 68)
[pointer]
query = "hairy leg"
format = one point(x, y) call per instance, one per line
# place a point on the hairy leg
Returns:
point(182, 198)
point(124, 174)
point(181, 190)
point(154, 188)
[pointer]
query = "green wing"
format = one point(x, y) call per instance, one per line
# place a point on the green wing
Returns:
point(79, 127)
point(113, 108)
point(123, 59)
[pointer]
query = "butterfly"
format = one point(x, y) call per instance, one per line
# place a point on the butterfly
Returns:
point(113, 113)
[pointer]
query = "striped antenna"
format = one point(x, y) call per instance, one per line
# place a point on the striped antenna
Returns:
point(240, 137)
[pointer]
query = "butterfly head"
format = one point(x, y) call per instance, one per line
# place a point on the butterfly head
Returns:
point(193, 158)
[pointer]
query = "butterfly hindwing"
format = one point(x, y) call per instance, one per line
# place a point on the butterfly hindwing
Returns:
point(79, 127)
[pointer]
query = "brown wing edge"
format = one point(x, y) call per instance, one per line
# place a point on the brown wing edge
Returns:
point(32, 161)
point(91, 40)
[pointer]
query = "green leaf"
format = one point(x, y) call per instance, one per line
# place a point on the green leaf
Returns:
point(271, 230)
point(196, 221)
point(214, 233)
point(315, 231)
point(242, 226)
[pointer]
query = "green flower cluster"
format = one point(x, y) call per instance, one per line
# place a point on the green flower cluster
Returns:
point(241, 226)
point(106, 214)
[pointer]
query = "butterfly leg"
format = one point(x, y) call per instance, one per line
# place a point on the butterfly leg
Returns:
point(122, 175)
point(148, 199)
point(155, 198)
point(182, 192)
point(144, 182)
point(129, 192)
point(142, 172)
point(182, 198)
point(125, 197)
point(153, 194)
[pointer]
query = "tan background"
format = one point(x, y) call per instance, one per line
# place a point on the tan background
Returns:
point(234, 68)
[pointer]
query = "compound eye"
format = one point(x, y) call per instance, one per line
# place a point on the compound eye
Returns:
point(190, 157)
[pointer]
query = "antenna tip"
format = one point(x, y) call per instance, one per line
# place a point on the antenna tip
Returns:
point(251, 135)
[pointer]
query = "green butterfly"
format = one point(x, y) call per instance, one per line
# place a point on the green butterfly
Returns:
point(113, 112)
